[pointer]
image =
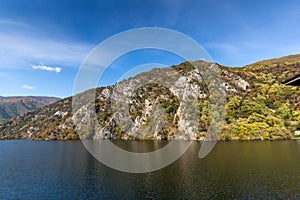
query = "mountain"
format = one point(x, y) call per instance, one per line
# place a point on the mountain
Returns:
point(14, 106)
point(258, 106)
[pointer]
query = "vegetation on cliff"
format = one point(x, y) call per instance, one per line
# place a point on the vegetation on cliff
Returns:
point(258, 106)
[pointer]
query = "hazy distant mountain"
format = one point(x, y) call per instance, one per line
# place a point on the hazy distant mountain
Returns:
point(258, 106)
point(14, 106)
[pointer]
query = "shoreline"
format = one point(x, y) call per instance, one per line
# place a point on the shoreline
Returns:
point(219, 140)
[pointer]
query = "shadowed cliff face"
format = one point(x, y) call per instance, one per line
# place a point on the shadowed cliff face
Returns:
point(258, 106)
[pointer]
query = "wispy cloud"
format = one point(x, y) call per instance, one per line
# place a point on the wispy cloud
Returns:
point(18, 51)
point(47, 68)
point(241, 52)
point(28, 87)
point(11, 22)
point(21, 49)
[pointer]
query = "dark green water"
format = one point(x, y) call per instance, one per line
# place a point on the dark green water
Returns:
point(233, 170)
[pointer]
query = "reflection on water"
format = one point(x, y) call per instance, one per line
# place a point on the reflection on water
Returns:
point(142, 146)
point(65, 170)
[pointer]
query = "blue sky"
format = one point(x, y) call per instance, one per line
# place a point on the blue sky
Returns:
point(43, 43)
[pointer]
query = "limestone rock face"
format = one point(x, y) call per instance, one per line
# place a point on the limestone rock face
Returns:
point(171, 103)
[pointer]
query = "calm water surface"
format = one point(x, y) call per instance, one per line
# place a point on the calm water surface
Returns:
point(233, 170)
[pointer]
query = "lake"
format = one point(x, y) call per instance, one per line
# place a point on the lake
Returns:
point(233, 170)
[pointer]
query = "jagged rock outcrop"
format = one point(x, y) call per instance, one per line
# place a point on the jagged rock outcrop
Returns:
point(157, 105)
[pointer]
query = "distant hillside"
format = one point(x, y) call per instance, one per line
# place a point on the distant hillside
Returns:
point(258, 106)
point(280, 68)
point(14, 106)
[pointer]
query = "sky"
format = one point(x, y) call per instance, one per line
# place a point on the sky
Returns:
point(43, 43)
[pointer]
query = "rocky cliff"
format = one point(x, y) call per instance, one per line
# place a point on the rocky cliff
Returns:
point(258, 106)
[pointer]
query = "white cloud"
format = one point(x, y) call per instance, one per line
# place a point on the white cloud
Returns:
point(47, 68)
point(28, 87)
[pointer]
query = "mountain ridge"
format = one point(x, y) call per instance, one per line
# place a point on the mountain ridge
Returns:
point(258, 106)
point(13, 106)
